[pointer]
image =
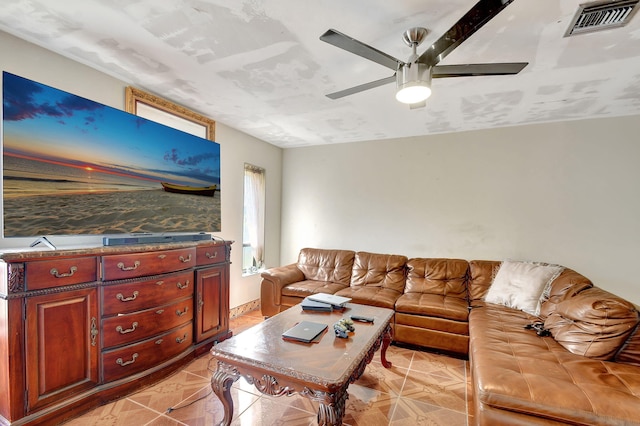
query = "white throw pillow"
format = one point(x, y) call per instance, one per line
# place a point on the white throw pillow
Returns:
point(522, 285)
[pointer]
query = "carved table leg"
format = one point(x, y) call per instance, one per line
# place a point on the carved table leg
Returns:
point(386, 341)
point(332, 412)
point(221, 382)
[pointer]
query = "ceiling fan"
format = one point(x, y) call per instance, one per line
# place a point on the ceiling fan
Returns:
point(413, 78)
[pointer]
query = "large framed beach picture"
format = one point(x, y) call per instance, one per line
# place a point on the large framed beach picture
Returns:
point(72, 166)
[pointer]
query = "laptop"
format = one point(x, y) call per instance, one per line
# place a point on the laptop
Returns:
point(304, 331)
point(332, 299)
point(312, 305)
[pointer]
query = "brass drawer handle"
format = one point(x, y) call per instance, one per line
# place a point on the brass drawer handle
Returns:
point(120, 330)
point(159, 341)
point(159, 282)
point(179, 340)
point(181, 313)
point(159, 311)
point(122, 363)
point(211, 256)
point(183, 260)
point(121, 298)
point(56, 274)
point(128, 268)
point(183, 286)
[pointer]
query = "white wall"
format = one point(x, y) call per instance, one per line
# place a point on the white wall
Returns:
point(565, 193)
point(30, 61)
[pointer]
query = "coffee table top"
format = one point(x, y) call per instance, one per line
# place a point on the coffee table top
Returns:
point(329, 362)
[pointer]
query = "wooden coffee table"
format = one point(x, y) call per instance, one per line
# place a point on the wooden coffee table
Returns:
point(320, 371)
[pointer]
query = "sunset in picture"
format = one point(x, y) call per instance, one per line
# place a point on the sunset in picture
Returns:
point(73, 166)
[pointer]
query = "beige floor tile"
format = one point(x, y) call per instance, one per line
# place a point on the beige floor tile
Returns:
point(204, 366)
point(428, 362)
point(377, 377)
point(204, 408)
point(398, 356)
point(165, 421)
point(368, 407)
point(239, 324)
point(171, 391)
point(119, 413)
point(410, 412)
point(446, 392)
point(267, 411)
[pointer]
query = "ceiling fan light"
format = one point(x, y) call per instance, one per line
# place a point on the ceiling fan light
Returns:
point(413, 94)
point(413, 82)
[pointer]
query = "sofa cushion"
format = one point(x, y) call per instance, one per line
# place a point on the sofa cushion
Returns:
point(308, 287)
point(594, 323)
point(373, 296)
point(326, 265)
point(444, 277)
point(568, 284)
point(481, 275)
point(520, 285)
point(376, 279)
point(379, 270)
point(433, 305)
point(433, 323)
point(630, 351)
point(516, 371)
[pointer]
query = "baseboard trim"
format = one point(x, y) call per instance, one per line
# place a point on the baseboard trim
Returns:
point(243, 309)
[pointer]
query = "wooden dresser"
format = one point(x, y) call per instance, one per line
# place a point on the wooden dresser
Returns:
point(82, 327)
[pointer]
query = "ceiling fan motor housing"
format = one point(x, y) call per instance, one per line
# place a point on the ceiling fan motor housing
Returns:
point(413, 82)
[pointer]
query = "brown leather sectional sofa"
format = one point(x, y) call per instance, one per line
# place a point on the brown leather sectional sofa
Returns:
point(587, 372)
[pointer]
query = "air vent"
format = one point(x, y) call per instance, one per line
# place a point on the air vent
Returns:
point(601, 15)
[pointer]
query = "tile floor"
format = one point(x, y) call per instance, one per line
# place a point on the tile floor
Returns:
point(421, 388)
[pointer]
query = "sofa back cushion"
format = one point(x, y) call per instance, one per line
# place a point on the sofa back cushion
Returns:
point(629, 353)
point(593, 323)
point(326, 265)
point(379, 270)
point(568, 284)
point(481, 275)
point(444, 277)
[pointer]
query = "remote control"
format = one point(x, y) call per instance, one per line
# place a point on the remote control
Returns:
point(361, 318)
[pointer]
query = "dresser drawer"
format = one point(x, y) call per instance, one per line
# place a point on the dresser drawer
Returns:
point(139, 295)
point(119, 363)
point(209, 255)
point(123, 329)
point(132, 265)
point(60, 272)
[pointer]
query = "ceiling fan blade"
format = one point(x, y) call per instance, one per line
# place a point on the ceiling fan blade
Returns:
point(362, 87)
point(472, 21)
point(352, 45)
point(470, 70)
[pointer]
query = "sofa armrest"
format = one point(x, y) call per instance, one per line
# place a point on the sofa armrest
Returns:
point(273, 280)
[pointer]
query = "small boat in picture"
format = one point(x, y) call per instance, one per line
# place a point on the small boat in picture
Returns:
point(193, 190)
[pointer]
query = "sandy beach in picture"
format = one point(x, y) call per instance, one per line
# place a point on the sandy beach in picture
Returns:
point(119, 212)
point(72, 166)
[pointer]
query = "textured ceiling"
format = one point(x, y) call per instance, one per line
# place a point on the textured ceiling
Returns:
point(259, 66)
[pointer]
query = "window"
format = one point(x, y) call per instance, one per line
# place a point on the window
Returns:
point(253, 224)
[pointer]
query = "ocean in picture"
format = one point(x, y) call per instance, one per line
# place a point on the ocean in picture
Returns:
point(73, 166)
